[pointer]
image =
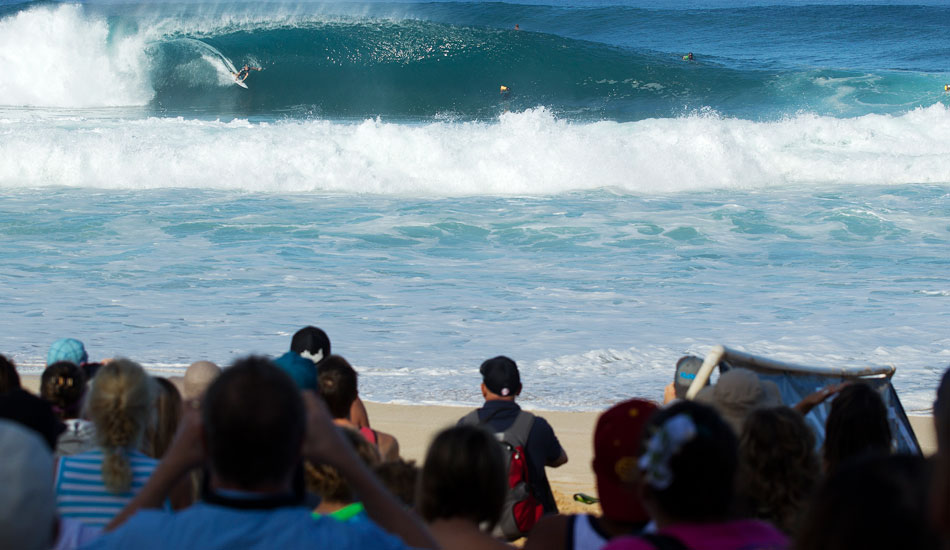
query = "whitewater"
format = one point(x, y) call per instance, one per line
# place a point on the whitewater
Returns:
point(787, 193)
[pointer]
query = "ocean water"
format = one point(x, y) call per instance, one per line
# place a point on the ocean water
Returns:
point(786, 193)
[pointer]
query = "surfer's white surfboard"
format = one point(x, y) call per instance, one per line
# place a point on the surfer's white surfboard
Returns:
point(241, 84)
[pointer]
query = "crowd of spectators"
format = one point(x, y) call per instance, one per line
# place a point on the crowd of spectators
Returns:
point(280, 453)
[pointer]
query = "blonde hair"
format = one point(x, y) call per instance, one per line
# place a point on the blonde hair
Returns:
point(326, 481)
point(120, 403)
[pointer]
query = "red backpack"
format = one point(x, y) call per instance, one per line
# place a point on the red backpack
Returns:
point(522, 509)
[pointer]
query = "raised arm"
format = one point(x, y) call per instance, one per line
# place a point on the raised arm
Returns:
point(815, 398)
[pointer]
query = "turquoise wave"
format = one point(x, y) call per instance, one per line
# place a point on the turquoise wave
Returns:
point(411, 68)
point(451, 60)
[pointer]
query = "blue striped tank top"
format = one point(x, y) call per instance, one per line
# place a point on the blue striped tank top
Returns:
point(81, 494)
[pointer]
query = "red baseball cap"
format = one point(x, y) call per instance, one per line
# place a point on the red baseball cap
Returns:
point(617, 444)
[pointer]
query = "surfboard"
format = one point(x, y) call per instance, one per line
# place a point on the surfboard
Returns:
point(241, 84)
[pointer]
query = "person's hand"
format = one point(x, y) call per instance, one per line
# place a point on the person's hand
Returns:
point(187, 449)
point(322, 440)
point(816, 398)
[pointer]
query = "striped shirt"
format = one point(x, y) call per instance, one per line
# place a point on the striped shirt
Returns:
point(81, 494)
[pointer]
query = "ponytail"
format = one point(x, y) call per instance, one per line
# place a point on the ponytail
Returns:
point(120, 405)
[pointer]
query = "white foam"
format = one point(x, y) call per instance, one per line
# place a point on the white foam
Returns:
point(526, 153)
point(60, 57)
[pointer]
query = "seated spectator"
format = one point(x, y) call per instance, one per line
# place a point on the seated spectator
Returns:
point(120, 404)
point(617, 444)
point(462, 488)
point(400, 477)
point(198, 376)
point(168, 409)
point(778, 467)
point(33, 412)
point(683, 376)
point(857, 424)
point(688, 467)
point(337, 498)
point(251, 433)
point(67, 349)
point(27, 503)
point(9, 379)
point(872, 502)
point(337, 383)
point(27, 506)
point(940, 494)
point(309, 347)
point(737, 393)
point(161, 431)
point(63, 385)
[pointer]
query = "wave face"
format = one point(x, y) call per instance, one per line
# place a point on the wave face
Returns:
point(448, 60)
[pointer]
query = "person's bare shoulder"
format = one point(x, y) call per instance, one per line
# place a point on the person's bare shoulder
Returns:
point(388, 446)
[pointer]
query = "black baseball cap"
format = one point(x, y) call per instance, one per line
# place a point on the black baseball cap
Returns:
point(500, 375)
point(313, 341)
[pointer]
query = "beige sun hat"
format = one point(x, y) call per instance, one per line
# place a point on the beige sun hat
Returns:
point(737, 393)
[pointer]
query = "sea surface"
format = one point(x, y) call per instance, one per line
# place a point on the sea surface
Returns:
point(785, 193)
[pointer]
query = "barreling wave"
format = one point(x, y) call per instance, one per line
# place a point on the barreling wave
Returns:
point(527, 153)
point(332, 66)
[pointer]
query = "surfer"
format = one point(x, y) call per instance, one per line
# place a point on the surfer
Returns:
point(517, 28)
point(688, 57)
point(241, 75)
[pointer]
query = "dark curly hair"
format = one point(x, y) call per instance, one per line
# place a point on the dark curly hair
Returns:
point(778, 466)
point(62, 385)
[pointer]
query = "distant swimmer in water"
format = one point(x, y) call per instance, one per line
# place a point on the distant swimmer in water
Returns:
point(241, 75)
point(517, 28)
point(946, 87)
point(688, 57)
point(503, 90)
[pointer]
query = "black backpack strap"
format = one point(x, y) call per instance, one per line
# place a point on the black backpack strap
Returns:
point(664, 542)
